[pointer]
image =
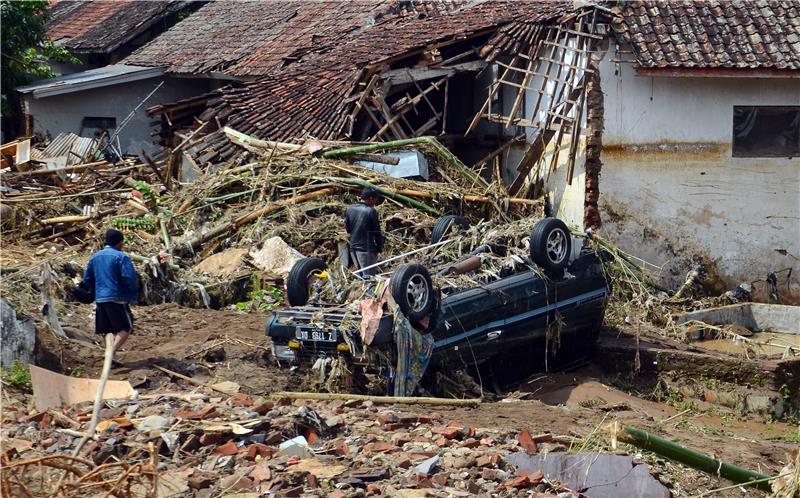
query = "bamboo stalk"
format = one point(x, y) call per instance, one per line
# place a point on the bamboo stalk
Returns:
point(66, 169)
point(189, 379)
point(254, 215)
point(694, 459)
point(469, 198)
point(403, 400)
point(435, 144)
point(391, 194)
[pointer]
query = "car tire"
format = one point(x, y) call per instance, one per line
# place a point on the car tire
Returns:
point(551, 246)
point(412, 289)
point(299, 278)
point(445, 224)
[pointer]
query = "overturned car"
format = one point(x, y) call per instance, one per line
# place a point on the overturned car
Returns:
point(543, 314)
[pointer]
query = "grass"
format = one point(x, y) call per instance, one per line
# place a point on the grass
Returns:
point(17, 376)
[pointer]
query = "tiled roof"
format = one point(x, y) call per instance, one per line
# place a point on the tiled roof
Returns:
point(310, 96)
point(101, 26)
point(712, 33)
point(253, 38)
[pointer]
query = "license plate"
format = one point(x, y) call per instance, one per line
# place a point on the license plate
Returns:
point(315, 335)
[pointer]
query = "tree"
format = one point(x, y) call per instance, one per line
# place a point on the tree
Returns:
point(25, 51)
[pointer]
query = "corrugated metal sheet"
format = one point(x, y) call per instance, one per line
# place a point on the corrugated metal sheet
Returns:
point(72, 148)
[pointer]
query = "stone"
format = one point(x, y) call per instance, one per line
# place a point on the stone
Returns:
point(208, 411)
point(154, 423)
point(518, 482)
point(261, 472)
point(227, 449)
point(427, 466)
point(388, 418)
point(261, 450)
point(210, 439)
point(235, 482)
point(379, 447)
point(526, 441)
point(448, 432)
point(264, 407)
point(18, 336)
point(241, 400)
point(201, 479)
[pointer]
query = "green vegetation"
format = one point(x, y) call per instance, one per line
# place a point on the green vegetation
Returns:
point(26, 53)
point(17, 376)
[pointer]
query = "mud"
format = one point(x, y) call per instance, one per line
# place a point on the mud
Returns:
point(215, 345)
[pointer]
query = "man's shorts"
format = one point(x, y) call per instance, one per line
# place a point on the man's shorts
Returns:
point(111, 318)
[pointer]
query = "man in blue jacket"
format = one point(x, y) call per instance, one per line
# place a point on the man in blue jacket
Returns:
point(111, 276)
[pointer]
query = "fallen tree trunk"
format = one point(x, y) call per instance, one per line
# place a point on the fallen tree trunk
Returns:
point(695, 459)
point(403, 400)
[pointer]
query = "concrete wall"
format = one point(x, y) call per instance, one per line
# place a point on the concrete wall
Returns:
point(671, 190)
point(64, 113)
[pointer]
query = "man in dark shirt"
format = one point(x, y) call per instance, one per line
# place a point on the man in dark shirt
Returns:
point(366, 238)
point(111, 277)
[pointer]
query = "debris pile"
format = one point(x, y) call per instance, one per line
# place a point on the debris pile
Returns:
point(196, 444)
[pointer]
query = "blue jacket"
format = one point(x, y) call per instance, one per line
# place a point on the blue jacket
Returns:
point(111, 276)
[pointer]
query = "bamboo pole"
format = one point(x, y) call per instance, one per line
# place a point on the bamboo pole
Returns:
point(66, 169)
point(403, 400)
point(469, 198)
point(189, 379)
point(694, 459)
point(435, 144)
point(254, 215)
point(392, 194)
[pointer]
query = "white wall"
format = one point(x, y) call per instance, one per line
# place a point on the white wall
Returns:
point(64, 113)
point(671, 190)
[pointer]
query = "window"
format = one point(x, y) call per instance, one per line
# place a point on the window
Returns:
point(766, 131)
point(94, 127)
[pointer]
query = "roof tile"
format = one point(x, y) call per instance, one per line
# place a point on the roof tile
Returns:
point(713, 33)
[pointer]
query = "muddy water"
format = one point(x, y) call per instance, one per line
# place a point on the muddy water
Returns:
point(761, 343)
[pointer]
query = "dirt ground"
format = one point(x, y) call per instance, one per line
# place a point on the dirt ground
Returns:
point(212, 346)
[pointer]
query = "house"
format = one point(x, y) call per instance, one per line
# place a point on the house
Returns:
point(215, 46)
point(701, 140)
point(103, 32)
point(670, 127)
point(98, 94)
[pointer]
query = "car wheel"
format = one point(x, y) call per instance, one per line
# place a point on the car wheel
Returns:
point(301, 277)
point(445, 224)
point(551, 246)
point(412, 290)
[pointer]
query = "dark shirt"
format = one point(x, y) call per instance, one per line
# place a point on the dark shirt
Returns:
point(361, 222)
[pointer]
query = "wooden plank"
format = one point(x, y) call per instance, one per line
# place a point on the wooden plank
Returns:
point(487, 102)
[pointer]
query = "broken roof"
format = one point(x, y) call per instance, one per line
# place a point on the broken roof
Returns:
point(713, 33)
point(256, 38)
point(102, 26)
point(310, 96)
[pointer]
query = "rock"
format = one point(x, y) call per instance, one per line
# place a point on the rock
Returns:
point(235, 482)
point(526, 441)
point(296, 447)
point(17, 335)
point(227, 449)
point(427, 466)
point(154, 423)
point(201, 479)
point(215, 355)
point(448, 432)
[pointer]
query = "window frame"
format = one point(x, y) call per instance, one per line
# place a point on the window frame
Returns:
point(775, 155)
